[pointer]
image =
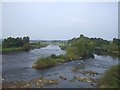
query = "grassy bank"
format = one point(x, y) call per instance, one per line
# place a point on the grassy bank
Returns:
point(10, 50)
point(111, 78)
point(11, 44)
point(44, 63)
point(26, 47)
point(52, 61)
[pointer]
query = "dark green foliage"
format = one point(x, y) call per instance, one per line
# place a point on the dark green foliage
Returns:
point(113, 48)
point(111, 79)
point(26, 47)
point(99, 41)
point(81, 47)
point(14, 42)
point(53, 56)
point(26, 40)
point(116, 41)
point(85, 47)
point(19, 44)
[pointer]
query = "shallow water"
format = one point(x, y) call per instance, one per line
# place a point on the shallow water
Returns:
point(18, 67)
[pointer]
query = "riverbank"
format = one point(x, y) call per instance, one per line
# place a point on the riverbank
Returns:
point(29, 47)
point(111, 78)
point(11, 50)
point(82, 73)
point(112, 53)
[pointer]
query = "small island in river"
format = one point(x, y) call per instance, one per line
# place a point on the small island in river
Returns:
point(77, 50)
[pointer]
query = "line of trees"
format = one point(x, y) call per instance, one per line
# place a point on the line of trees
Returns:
point(15, 42)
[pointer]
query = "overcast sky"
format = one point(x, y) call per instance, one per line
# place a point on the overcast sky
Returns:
point(63, 21)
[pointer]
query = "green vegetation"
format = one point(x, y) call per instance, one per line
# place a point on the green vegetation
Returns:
point(85, 47)
point(10, 50)
point(51, 61)
point(18, 44)
point(46, 62)
point(81, 47)
point(113, 48)
point(111, 79)
point(26, 47)
point(63, 46)
point(38, 45)
point(10, 44)
point(14, 42)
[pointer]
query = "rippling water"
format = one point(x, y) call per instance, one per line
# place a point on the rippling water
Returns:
point(18, 67)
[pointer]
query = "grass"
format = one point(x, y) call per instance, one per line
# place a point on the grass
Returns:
point(111, 78)
point(52, 61)
point(18, 49)
point(10, 50)
point(46, 62)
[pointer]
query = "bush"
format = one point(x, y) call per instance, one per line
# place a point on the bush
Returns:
point(53, 56)
point(111, 78)
point(44, 63)
point(26, 47)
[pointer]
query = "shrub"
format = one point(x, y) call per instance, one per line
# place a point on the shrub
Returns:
point(111, 78)
point(26, 47)
point(44, 63)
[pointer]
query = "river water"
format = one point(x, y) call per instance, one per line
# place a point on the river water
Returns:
point(18, 67)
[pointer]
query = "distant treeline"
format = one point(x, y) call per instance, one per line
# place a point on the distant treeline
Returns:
point(15, 42)
point(11, 44)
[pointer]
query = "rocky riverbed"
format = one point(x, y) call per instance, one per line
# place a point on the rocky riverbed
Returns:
point(83, 73)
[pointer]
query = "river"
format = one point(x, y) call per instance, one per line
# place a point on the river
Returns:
point(18, 67)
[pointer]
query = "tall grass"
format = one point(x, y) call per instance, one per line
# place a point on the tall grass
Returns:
point(48, 61)
point(52, 61)
point(111, 78)
point(9, 50)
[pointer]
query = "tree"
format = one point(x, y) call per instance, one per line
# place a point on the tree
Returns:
point(15, 42)
point(26, 39)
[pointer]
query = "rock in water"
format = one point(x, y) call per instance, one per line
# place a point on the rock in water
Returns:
point(62, 77)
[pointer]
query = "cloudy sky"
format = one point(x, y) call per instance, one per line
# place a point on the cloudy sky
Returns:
point(60, 21)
